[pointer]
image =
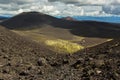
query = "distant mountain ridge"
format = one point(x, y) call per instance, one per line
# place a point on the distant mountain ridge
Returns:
point(31, 20)
point(2, 18)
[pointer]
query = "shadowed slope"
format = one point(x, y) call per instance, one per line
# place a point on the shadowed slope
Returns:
point(29, 20)
point(37, 20)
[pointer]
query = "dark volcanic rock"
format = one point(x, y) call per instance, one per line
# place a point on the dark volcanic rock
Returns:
point(23, 73)
point(42, 61)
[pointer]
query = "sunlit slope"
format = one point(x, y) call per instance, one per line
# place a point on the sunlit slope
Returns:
point(59, 40)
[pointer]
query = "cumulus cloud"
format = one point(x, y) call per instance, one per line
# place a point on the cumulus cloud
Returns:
point(61, 7)
point(112, 8)
point(17, 1)
point(99, 2)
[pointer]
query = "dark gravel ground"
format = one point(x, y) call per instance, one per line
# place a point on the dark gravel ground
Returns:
point(23, 59)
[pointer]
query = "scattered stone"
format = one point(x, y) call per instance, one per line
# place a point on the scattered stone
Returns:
point(99, 62)
point(65, 61)
point(42, 61)
point(9, 64)
point(4, 71)
point(40, 73)
point(55, 64)
point(77, 65)
point(29, 68)
point(98, 71)
point(23, 73)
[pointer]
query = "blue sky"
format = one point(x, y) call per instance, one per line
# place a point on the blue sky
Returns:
point(62, 7)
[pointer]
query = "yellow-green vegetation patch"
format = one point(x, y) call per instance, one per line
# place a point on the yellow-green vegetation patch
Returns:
point(64, 46)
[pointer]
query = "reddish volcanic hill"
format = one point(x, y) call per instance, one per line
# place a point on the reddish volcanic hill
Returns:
point(69, 18)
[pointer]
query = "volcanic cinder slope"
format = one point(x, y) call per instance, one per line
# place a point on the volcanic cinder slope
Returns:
point(23, 59)
point(16, 52)
point(44, 28)
point(103, 58)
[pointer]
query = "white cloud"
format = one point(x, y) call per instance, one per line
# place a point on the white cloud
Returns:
point(61, 7)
